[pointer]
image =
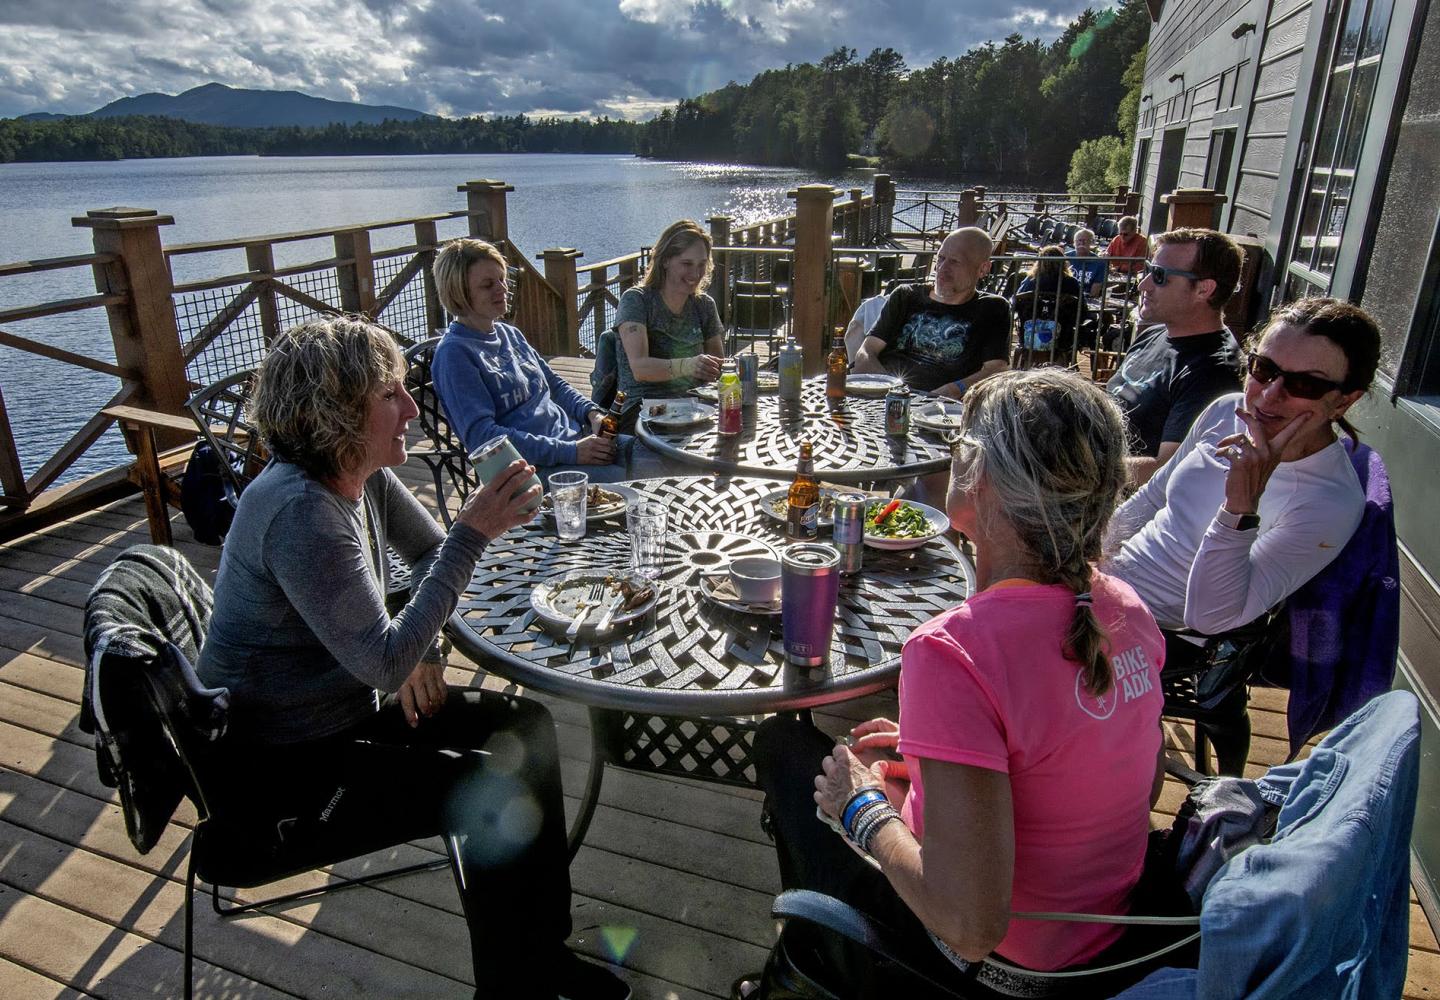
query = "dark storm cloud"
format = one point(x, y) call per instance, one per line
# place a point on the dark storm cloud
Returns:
point(468, 56)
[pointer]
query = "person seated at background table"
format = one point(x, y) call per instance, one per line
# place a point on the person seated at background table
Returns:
point(1090, 273)
point(313, 760)
point(1128, 242)
point(1048, 322)
point(1029, 715)
point(492, 382)
point(671, 339)
point(1261, 495)
point(1175, 368)
point(866, 313)
point(945, 336)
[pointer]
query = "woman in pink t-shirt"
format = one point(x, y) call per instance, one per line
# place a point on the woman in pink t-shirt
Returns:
point(1029, 715)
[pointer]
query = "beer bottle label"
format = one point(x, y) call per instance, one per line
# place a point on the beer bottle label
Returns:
point(804, 522)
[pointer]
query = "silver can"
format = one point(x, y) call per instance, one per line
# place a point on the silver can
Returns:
point(849, 531)
point(747, 366)
point(897, 411)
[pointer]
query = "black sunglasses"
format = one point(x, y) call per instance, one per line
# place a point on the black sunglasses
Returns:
point(1301, 385)
point(1160, 274)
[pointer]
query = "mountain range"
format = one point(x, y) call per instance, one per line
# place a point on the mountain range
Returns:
point(217, 104)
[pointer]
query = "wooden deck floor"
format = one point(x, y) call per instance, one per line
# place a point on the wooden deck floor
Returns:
point(673, 884)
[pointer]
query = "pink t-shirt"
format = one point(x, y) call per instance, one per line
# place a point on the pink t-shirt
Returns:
point(986, 685)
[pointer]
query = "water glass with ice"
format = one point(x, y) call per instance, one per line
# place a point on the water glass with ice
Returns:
point(568, 493)
point(647, 522)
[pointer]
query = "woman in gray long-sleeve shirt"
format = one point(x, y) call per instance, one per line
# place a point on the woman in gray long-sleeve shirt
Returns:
point(342, 740)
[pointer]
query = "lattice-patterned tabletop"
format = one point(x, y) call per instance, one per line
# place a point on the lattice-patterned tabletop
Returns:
point(690, 656)
point(850, 441)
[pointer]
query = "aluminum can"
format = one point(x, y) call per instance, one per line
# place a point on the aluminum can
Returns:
point(897, 411)
point(849, 532)
point(809, 592)
point(493, 457)
point(792, 371)
point(747, 366)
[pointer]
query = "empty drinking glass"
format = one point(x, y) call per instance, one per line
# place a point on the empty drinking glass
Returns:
point(568, 493)
point(647, 523)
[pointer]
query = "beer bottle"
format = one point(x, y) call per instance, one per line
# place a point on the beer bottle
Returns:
point(836, 365)
point(803, 517)
point(610, 423)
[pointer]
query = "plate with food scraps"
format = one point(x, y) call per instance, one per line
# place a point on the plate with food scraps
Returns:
point(938, 414)
point(868, 385)
point(718, 588)
point(602, 501)
point(764, 382)
point(902, 524)
point(559, 599)
point(670, 414)
point(777, 506)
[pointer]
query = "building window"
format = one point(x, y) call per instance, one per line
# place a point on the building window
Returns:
point(1335, 141)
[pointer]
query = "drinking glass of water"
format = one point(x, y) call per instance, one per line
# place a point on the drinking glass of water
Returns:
point(568, 493)
point(647, 523)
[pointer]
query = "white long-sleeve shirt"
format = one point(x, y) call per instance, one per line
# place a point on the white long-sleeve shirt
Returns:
point(1195, 572)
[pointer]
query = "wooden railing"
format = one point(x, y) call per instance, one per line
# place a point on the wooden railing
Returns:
point(18, 491)
point(922, 218)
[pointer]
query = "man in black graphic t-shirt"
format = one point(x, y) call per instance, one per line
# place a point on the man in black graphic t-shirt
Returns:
point(1178, 367)
point(945, 336)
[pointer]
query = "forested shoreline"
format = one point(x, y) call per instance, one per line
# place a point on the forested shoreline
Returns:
point(1020, 109)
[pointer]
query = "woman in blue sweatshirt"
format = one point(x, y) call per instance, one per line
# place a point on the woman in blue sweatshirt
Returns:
point(492, 382)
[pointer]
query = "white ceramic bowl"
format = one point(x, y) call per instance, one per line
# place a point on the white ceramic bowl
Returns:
point(756, 579)
point(938, 520)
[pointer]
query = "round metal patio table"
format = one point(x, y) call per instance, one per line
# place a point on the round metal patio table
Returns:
point(689, 660)
point(850, 443)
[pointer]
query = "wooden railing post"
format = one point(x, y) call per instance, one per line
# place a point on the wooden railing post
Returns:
point(426, 235)
point(1192, 207)
point(1122, 192)
point(884, 208)
point(849, 282)
point(969, 210)
point(629, 273)
point(356, 272)
point(485, 200)
point(720, 277)
point(1092, 216)
point(1132, 204)
point(560, 272)
point(147, 339)
point(815, 221)
point(852, 216)
point(260, 259)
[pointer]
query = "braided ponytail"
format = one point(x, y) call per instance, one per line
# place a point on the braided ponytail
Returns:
point(1052, 447)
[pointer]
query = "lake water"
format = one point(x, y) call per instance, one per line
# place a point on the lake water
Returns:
point(603, 205)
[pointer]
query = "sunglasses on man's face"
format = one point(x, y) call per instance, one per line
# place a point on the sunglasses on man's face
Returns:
point(1160, 274)
point(1301, 385)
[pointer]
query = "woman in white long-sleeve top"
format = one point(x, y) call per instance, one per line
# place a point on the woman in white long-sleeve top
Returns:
point(1261, 495)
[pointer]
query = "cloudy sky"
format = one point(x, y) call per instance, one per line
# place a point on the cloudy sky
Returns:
point(461, 57)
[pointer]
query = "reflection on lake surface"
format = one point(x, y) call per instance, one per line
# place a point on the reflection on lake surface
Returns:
point(604, 206)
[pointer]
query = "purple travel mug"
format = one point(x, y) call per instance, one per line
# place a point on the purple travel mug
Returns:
point(809, 590)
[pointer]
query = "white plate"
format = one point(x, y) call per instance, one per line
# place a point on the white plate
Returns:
point(937, 414)
point(826, 518)
point(764, 382)
point(939, 522)
point(870, 386)
point(594, 512)
point(676, 413)
point(554, 600)
point(709, 586)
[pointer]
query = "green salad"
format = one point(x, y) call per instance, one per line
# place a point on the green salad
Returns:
point(905, 521)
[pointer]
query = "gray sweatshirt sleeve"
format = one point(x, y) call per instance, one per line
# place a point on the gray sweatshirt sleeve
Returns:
point(315, 551)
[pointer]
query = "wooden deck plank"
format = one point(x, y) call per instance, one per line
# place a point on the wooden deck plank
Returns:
point(682, 863)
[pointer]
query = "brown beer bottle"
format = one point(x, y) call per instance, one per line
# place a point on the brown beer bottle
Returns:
point(803, 517)
point(610, 423)
point(836, 365)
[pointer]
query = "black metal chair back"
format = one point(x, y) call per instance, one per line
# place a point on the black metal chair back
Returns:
point(443, 453)
point(219, 412)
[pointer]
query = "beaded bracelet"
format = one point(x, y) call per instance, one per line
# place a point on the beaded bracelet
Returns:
point(874, 821)
point(864, 795)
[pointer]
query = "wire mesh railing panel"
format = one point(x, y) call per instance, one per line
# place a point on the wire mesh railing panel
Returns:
point(239, 344)
point(753, 288)
point(406, 313)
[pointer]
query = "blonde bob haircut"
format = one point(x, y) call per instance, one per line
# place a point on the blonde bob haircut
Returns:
point(675, 240)
point(312, 396)
point(452, 268)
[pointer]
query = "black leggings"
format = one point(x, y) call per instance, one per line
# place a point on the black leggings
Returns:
point(484, 773)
